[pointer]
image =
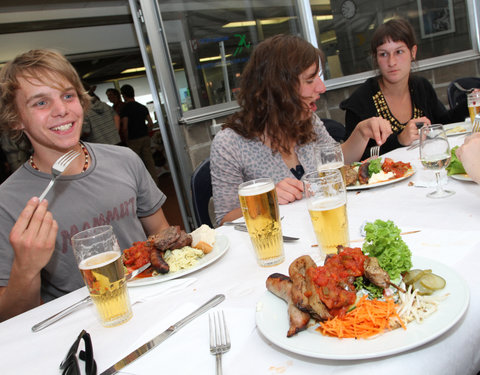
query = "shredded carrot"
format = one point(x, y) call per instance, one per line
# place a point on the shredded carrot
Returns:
point(368, 318)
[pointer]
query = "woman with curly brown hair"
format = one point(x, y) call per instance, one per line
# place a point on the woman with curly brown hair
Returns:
point(274, 133)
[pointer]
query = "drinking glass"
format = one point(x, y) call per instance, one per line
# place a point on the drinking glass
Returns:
point(435, 155)
point(329, 156)
point(473, 104)
point(259, 203)
point(326, 199)
point(99, 259)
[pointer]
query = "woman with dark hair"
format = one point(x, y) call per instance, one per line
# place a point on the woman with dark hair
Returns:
point(274, 133)
point(395, 94)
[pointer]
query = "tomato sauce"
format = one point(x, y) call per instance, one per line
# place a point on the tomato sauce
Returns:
point(334, 280)
point(398, 168)
point(136, 256)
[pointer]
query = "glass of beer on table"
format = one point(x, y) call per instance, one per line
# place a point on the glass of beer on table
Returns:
point(326, 199)
point(259, 203)
point(329, 156)
point(100, 261)
point(473, 104)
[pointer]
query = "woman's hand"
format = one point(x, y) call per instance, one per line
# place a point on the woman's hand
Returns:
point(469, 155)
point(33, 237)
point(289, 190)
point(376, 128)
point(411, 132)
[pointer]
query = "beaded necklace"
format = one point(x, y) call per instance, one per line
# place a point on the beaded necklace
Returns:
point(85, 152)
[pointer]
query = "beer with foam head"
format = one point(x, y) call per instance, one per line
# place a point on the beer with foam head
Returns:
point(327, 205)
point(258, 200)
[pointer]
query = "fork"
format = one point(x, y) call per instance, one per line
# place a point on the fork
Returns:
point(219, 337)
point(374, 151)
point(58, 168)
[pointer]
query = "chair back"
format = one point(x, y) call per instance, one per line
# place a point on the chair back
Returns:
point(201, 185)
point(335, 129)
point(455, 95)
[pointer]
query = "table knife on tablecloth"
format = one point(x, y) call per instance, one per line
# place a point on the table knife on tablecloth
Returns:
point(162, 336)
point(243, 228)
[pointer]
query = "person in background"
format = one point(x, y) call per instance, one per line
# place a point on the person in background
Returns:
point(42, 96)
point(17, 150)
point(395, 94)
point(276, 129)
point(469, 156)
point(135, 125)
point(115, 98)
point(101, 124)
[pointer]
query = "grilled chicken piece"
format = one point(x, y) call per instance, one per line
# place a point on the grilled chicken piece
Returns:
point(375, 273)
point(351, 175)
point(281, 286)
point(363, 173)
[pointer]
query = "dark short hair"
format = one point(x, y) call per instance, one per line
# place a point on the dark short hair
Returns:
point(115, 92)
point(396, 30)
point(127, 91)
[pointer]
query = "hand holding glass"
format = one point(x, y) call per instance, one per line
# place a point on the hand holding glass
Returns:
point(100, 261)
point(435, 155)
point(327, 204)
point(259, 203)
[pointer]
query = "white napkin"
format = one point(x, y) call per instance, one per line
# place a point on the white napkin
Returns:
point(426, 178)
point(147, 292)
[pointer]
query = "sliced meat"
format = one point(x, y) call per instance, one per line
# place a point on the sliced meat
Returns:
point(351, 175)
point(184, 240)
point(158, 263)
point(166, 238)
point(297, 271)
point(281, 286)
point(363, 175)
point(375, 273)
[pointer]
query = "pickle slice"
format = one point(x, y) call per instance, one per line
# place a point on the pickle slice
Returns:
point(412, 276)
point(432, 281)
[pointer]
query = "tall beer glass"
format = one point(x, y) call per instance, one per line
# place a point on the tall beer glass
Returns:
point(100, 261)
point(327, 204)
point(258, 200)
point(329, 156)
point(473, 100)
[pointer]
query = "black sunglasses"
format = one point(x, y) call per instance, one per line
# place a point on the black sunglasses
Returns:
point(70, 364)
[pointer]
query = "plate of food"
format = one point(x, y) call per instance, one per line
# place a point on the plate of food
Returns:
point(176, 256)
point(457, 128)
point(272, 321)
point(461, 177)
point(375, 173)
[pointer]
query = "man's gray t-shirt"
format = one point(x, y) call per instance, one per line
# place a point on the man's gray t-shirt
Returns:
point(116, 189)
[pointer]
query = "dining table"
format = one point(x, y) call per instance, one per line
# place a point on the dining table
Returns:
point(448, 234)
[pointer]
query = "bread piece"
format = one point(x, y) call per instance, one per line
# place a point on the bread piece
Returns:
point(203, 238)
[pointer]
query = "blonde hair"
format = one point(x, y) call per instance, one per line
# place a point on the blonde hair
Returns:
point(46, 66)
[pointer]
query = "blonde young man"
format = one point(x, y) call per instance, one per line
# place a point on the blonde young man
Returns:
point(42, 96)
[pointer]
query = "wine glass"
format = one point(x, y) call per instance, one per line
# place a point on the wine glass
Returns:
point(435, 155)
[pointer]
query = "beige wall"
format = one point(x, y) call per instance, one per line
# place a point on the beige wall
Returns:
point(198, 136)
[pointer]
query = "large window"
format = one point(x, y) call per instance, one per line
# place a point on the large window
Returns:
point(211, 41)
point(344, 29)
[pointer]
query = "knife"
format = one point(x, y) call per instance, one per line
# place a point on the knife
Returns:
point(243, 228)
point(54, 318)
point(141, 350)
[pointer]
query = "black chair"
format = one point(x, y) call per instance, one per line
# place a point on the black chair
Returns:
point(335, 129)
point(201, 185)
point(455, 94)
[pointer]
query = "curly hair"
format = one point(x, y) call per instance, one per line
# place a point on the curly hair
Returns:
point(43, 65)
point(396, 30)
point(271, 105)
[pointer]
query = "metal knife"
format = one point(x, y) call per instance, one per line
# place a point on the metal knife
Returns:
point(162, 336)
point(55, 318)
point(243, 228)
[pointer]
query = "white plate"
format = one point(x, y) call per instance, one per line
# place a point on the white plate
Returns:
point(221, 246)
point(272, 321)
point(448, 127)
point(461, 177)
point(383, 183)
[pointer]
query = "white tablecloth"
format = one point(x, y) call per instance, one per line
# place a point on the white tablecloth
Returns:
point(449, 234)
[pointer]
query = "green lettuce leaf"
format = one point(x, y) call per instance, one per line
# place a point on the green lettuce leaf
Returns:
point(455, 166)
point(375, 166)
point(384, 242)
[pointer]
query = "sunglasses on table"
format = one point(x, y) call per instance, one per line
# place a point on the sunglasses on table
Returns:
point(70, 366)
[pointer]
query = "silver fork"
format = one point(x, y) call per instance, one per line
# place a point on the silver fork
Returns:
point(219, 337)
point(374, 151)
point(58, 168)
